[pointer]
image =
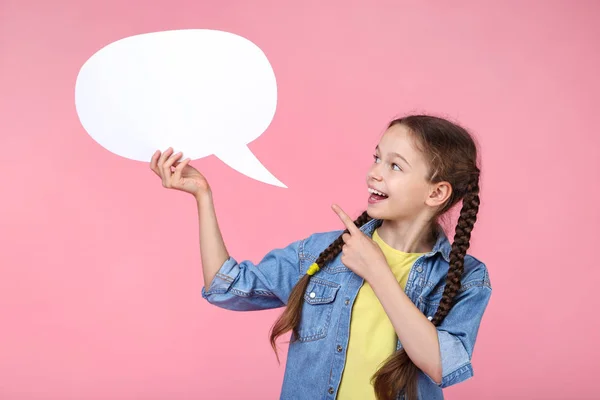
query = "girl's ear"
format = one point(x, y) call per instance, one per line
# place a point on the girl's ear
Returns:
point(439, 194)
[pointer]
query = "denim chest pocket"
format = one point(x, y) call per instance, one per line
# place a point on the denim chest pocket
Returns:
point(429, 308)
point(317, 308)
point(429, 303)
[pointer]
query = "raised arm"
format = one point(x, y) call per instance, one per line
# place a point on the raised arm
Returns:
point(242, 286)
point(182, 176)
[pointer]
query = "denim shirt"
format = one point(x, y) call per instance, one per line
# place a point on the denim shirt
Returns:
point(316, 359)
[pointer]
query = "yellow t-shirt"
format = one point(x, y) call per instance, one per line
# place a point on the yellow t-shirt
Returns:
point(372, 336)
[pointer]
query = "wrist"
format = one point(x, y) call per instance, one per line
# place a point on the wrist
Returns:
point(203, 197)
point(380, 274)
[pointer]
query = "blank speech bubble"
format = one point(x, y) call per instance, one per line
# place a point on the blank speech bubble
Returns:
point(199, 91)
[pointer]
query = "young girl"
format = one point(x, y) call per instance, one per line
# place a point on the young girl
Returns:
point(385, 309)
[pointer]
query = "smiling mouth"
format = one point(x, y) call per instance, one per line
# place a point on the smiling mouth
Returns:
point(376, 196)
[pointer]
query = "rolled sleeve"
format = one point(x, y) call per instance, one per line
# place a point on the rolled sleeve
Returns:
point(224, 278)
point(458, 332)
point(245, 286)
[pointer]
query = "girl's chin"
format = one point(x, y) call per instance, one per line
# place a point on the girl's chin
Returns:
point(375, 211)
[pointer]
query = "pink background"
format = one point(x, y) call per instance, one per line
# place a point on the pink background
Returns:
point(100, 272)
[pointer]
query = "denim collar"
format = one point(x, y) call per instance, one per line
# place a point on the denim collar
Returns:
point(442, 245)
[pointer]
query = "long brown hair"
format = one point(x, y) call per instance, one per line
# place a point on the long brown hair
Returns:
point(452, 157)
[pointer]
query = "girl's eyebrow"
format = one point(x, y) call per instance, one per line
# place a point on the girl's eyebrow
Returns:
point(395, 155)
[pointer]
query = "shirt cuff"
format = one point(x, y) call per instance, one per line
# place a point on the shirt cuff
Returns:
point(456, 363)
point(223, 279)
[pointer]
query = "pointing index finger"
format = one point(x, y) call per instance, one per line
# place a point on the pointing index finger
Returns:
point(345, 219)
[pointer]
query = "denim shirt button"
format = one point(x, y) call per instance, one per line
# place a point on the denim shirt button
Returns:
point(330, 390)
point(419, 269)
point(312, 295)
point(339, 348)
point(347, 302)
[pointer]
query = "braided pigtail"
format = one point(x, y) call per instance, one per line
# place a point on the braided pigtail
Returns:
point(399, 373)
point(290, 318)
point(462, 238)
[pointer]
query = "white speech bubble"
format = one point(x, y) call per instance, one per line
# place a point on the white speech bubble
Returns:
point(199, 91)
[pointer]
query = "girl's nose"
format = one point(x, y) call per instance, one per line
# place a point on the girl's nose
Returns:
point(374, 174)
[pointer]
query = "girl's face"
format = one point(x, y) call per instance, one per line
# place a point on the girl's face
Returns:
point(399, 172)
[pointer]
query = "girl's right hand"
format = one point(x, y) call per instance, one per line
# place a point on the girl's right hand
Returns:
point(183, 177)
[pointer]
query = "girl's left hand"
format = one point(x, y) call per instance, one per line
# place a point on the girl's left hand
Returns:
point(360, 253)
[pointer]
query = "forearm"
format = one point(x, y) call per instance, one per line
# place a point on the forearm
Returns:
point(213, 252)
point(416, 333)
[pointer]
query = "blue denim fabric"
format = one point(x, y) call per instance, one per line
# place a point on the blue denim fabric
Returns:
point(316, 360)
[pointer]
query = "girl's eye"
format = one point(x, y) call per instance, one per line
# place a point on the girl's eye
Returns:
point(395, 167)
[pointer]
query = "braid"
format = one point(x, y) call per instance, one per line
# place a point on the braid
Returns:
point(290, 318)
point(462, 237)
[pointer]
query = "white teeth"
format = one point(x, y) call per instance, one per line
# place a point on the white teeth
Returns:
point(377, 192)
